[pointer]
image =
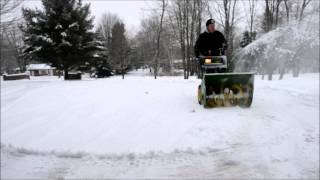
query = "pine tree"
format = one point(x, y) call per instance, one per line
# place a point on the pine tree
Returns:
point(245, 39)
point(101, 58)
point(119, 47)
point(60, 34)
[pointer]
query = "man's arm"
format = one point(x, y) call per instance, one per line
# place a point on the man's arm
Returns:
point(197, 47)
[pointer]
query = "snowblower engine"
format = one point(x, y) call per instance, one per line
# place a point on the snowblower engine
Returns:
point(221, 88)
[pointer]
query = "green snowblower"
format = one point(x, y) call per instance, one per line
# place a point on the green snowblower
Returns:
point(221, 88)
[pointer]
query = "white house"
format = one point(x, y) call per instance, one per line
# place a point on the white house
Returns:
point(40, 70)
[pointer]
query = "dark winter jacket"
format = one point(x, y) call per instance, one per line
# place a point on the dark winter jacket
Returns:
point(210, 41)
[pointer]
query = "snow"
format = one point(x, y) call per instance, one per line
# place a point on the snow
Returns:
point(145, 128)
point(75, 24)
point(39, 66)
point(36, 49)
point(63, 34)
point(295, 41)
point(44, 38)
point(66, 43)
point(58, 26)
point(34, 20)
point(96, 55)
point(101, 47)
point(15, 74)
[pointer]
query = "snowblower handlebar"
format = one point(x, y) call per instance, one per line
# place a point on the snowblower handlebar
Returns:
point(210, 57)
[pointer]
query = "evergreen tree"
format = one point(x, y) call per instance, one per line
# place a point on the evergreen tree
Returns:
point(245, 39)
point(100, 63)
point(119, 47)
point(60, 34)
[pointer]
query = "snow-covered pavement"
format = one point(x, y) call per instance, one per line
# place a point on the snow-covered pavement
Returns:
point(145, 128)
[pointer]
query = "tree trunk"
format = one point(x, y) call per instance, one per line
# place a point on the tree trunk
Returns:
point(270, 76)
point(192, 34)
point(287, 9)
point(66, 75)
point(155, 68)
point(277, 11)
point(282, 70)
point(184, 64)
point(303, 6)
point(296, 69)
point(122, 71)
point(186, 16)
point(158, 41)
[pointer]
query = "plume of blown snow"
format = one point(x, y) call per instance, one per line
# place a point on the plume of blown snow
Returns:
point(296, 42)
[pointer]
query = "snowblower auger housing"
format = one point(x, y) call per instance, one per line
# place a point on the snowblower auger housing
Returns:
point(219, 88)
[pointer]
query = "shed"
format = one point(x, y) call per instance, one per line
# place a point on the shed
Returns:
point(41, 70)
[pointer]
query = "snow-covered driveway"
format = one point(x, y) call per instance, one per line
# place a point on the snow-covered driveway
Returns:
point(146, 128)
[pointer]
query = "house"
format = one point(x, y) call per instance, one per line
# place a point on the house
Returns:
point(41, 70)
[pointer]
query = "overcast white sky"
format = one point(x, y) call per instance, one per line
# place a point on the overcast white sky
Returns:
point(133, 11)
point(130, 11)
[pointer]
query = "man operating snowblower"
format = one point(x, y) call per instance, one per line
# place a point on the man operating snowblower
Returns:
point(218, 87)
point(210, 42)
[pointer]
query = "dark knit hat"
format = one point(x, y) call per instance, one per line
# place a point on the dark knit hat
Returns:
point(210, 21)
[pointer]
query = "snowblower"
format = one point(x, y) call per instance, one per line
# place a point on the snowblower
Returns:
point(220, 87)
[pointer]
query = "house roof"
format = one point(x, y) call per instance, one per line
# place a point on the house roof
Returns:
point(39, 67)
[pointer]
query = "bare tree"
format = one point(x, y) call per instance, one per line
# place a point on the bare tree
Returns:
point(186, 19)
point(7, 8)
point(251, 16)
point(287, 7)
point(252, 10)
point(104, 29)
point(146, 41)
point(15, 38)
point(8, 27)
point(147, 44)
point(303, 7)
point(178, 23)
point(226, 12)
point(270, 9)
point(278, 2)
point(106, 23)
point(156, 63)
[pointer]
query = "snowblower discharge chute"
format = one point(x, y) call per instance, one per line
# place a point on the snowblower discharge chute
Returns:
point(219, 88)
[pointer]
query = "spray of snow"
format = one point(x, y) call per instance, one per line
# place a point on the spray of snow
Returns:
point(296, 42)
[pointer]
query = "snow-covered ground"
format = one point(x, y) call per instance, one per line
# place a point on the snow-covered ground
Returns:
point(145, 128)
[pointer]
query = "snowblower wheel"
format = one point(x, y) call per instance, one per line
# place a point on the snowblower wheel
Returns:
point(248, 101)
point(199, 95)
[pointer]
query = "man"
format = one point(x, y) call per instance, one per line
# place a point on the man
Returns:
point(211, 42)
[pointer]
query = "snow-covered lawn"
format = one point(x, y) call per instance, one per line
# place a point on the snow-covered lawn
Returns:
point(145, 128)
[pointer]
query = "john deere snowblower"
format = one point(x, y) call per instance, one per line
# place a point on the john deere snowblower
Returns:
point(221, 88)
